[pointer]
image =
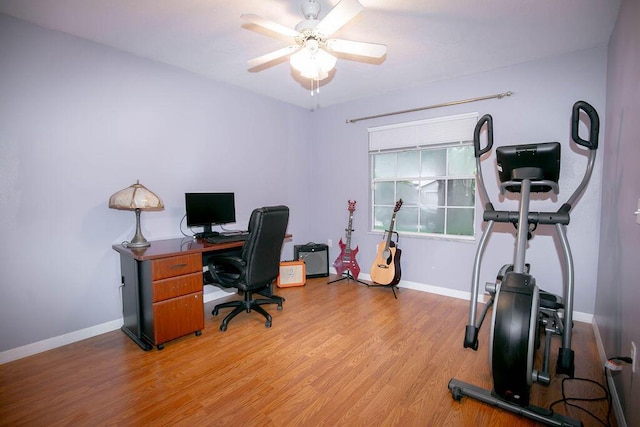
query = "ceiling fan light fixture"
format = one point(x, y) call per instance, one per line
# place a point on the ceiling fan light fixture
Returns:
point(313, 62)
point(310, 54)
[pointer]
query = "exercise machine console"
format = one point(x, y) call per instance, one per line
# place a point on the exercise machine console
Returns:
point(521, 311)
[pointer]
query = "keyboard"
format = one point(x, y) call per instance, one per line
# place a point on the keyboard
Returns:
point(227, 238)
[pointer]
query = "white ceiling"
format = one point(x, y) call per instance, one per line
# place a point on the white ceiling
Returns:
point(428, 40)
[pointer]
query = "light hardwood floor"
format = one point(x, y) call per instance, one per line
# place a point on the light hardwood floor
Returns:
point(337, 355)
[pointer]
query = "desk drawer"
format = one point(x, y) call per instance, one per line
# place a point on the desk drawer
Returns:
point(176, 286)
point(175, 266)
point(177, 317)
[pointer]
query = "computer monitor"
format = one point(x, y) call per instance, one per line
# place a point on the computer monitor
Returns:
point(208, 209)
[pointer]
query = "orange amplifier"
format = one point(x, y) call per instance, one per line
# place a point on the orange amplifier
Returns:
point(292, 273)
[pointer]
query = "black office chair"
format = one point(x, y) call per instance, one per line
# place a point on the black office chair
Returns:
point(257, 266)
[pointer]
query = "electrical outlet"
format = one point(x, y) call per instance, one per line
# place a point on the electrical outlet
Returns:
point(330, 243)
point(634, 360)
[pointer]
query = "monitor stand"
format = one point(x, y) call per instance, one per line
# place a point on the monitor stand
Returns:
point(207, 232)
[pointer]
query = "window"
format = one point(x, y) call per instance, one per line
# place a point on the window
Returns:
point(430, 165)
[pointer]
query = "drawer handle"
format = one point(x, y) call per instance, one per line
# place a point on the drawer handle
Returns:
point(179, 265)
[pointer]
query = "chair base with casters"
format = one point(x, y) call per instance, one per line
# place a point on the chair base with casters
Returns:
point(268, 293)
point(248, 304)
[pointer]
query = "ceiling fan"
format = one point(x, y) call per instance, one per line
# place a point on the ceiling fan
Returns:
point(311, 52)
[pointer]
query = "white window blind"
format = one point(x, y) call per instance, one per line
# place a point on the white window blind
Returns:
point(421, 133)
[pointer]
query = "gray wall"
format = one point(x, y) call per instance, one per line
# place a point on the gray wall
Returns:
point(78, 122)
point(618, 291)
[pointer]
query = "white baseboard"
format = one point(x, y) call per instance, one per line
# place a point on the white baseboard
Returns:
point(59, 341)
point(615, 399)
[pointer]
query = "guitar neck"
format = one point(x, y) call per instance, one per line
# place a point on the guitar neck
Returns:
point(348, 232)
point(390, 231)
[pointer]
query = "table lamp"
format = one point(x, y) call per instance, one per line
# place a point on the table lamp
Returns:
point(136, 198)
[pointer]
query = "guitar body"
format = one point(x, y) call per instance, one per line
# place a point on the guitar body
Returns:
point(385, 270)
point(386, 267)
point(347, 261)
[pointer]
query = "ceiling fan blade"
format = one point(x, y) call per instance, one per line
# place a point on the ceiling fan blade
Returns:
point(372, 50)
point(269, 57)
point(344, 12)
point(269, 25)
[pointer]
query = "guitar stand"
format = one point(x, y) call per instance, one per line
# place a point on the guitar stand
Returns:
point(347, 276)
point(393, 288)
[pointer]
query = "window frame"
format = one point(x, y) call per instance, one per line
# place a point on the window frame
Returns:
point(441, 133)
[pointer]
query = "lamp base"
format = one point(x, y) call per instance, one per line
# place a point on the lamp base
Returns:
point(138, 240)
point(132, 244)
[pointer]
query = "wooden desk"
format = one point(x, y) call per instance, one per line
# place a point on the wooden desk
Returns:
point(162, 289)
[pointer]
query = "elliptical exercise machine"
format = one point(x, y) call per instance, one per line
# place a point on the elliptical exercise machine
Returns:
point(520, 309)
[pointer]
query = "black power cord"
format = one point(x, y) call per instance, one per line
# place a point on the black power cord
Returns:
point(609, 366)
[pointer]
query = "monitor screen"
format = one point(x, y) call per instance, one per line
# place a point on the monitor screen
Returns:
point(207, 209)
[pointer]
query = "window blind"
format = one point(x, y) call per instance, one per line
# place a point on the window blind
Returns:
point(419, 133)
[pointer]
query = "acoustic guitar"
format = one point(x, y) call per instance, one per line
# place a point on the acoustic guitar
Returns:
point(386, 267)
point(347, 258)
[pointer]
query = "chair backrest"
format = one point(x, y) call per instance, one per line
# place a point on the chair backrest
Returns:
point(261, 251)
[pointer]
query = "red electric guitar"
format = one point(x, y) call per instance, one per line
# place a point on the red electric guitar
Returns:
point(386, 267)
point(346, 261)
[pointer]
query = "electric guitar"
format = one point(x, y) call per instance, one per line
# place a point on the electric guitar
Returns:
point(386, 267)
point(347, 258)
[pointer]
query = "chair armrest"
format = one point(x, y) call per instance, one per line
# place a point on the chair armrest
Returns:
point(227, 271)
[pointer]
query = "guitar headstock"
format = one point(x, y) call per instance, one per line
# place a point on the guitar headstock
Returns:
point(397, 206)
point(352, 205)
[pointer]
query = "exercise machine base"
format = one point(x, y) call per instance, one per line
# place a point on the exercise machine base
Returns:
point(459, 389)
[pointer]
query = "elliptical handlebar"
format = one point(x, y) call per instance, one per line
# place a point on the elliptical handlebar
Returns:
point(476, 135)
point(478, 152)
point(591, 144)
point(594, 125)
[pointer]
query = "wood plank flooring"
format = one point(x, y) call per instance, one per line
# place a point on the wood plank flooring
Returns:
point(337, 355)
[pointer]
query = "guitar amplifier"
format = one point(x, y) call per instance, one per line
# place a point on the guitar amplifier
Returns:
point(292, 273)
point(315, 256)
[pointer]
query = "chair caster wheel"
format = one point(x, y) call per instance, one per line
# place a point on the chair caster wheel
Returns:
point(198, 333)
point(279, 308)
point(160, 347)
point(215, 312)
point(267, 324)
point(223, 328)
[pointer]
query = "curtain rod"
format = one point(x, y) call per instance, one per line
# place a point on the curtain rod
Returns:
point(446, 104)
